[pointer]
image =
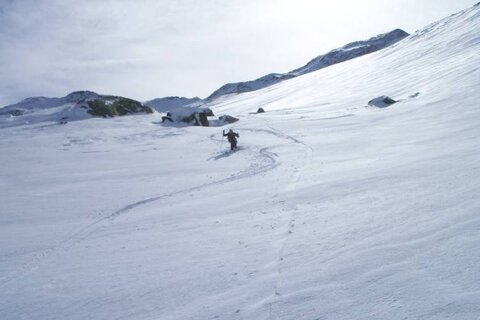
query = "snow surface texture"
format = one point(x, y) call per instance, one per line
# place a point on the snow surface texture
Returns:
point(329, 210)
point(350, 51)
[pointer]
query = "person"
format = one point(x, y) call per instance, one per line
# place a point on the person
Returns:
point(232, 138)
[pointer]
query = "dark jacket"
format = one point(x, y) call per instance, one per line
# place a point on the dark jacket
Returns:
point(232, 136)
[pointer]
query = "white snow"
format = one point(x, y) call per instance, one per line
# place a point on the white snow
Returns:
point(349, 51)
point(329, 210)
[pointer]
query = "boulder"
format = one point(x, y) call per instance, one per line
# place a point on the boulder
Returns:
point(111, 106)
point(227, 119)
point(196, 116)
point(381, 102)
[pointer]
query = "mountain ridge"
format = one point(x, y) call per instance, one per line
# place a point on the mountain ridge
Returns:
point(349, 51)
point(77, 105)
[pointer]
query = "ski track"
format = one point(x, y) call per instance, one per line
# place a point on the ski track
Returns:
point(265, 155)
point(290, 225)
point(255, 169)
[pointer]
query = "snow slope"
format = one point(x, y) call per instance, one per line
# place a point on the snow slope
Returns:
point(330, 210)
point(350, 51)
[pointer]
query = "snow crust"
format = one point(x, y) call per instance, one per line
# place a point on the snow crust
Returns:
point(329, 210)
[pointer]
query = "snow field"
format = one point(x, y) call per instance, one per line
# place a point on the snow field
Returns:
point(330, 209)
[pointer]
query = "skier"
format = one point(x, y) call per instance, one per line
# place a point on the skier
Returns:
point(232, 138)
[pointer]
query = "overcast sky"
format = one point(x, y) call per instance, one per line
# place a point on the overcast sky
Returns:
point(145, 49)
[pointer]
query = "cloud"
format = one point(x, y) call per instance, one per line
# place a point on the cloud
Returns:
point(146, 49)
point(123, 47)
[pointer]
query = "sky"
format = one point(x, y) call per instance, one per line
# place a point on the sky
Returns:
point(145, 49)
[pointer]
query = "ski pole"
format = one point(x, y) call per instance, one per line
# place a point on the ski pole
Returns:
point(223, 140)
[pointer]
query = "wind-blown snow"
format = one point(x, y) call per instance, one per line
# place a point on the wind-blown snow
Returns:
point(330, 210)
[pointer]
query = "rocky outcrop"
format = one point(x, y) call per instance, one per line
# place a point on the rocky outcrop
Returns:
point(168, 103)
point(77, 105)
point(115, 106)
point(381, 102)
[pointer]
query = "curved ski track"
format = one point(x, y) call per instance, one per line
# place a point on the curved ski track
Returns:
point(266, 156)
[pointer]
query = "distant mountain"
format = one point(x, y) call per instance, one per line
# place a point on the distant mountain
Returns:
point(83, 104)
point(74, 106)
point(347, 52)
point(168, 103)
point(260, 83)
point(30, 104)
point(352, 50)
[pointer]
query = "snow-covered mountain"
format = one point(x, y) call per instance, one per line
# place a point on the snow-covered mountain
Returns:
point(169, 103)
point(247, 86)
point(77, 105)
point(29, 104)
point(173, 103)
point(331, 209)
point(350, 51)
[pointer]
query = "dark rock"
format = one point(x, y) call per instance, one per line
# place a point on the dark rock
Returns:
point(228, 119)
point(16, 112)
point(201, 119)
point(115, 106)
point(381, 102)
point(165, 118)
point(63, 120)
